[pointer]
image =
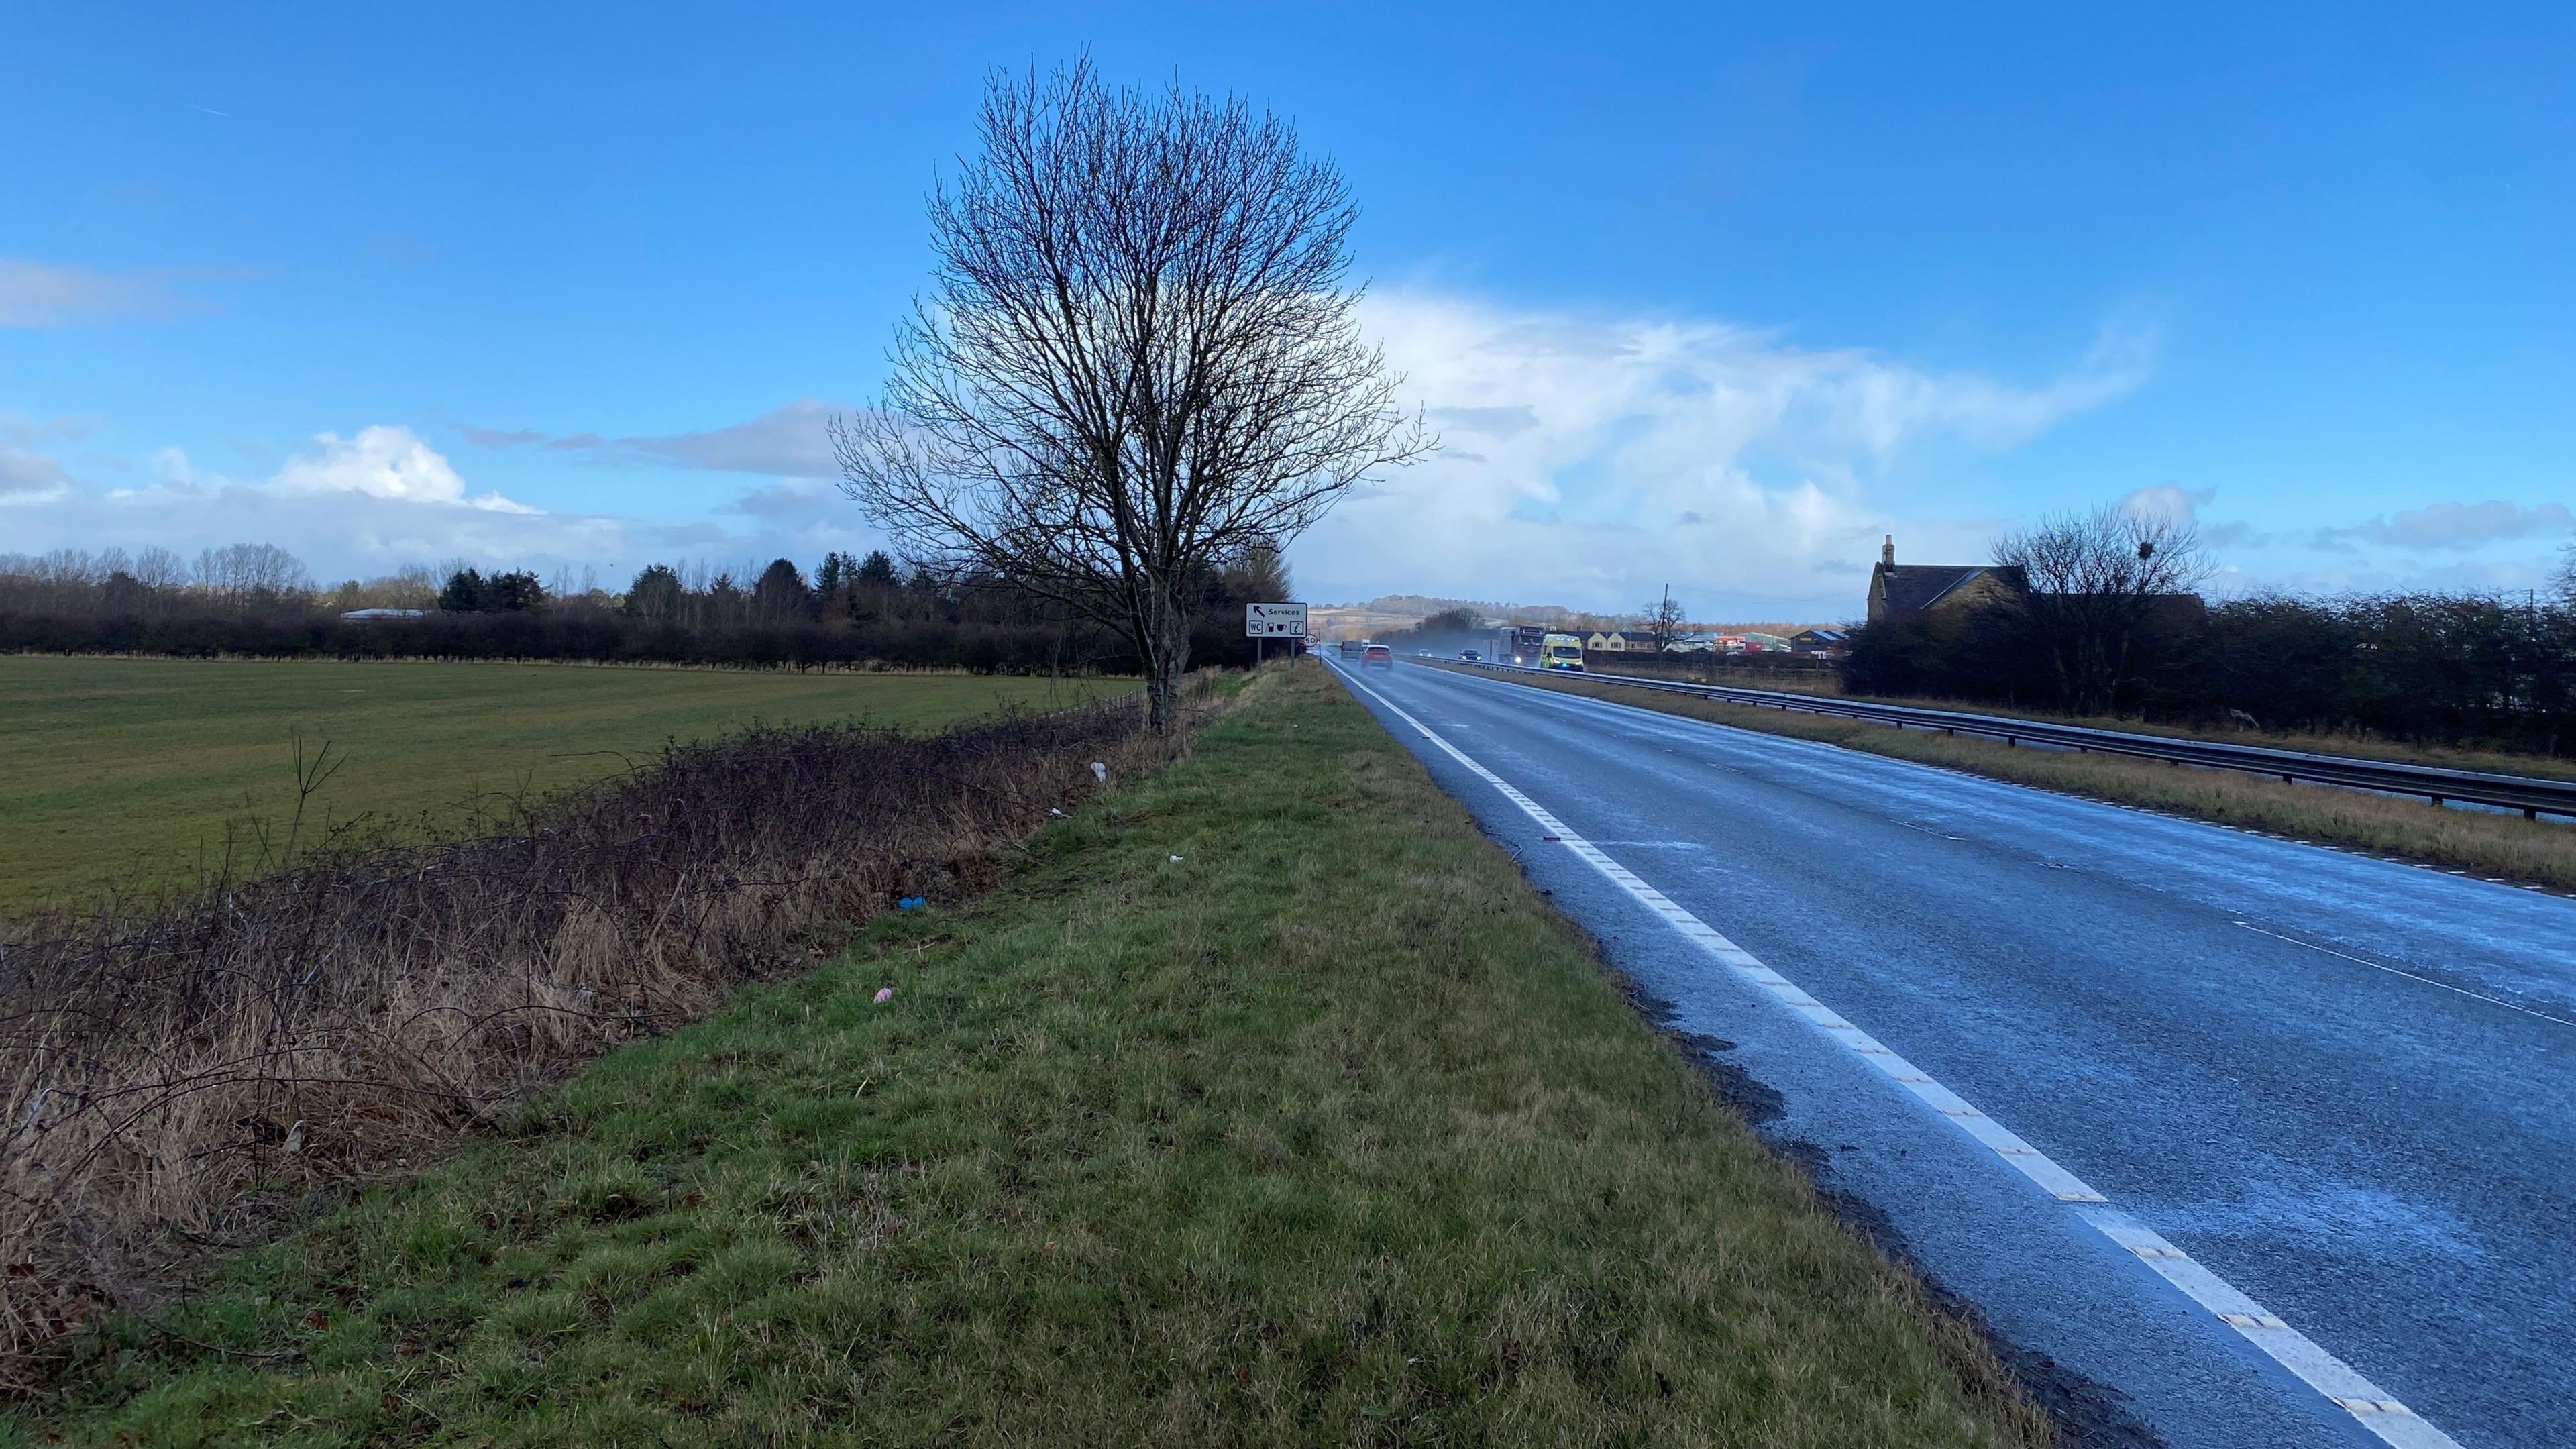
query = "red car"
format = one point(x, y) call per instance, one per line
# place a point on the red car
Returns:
point(1379, 655)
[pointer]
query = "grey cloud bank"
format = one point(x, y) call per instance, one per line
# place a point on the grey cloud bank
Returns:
point(785, 442)
point(33, 294)
point(2460, 525)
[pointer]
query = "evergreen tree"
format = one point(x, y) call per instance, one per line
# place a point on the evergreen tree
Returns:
point(655, 594)
point(513, 592)
point(463, 594)
point(780, 594)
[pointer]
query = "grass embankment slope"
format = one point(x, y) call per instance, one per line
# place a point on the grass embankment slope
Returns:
point(1327, 1131)
point(2481, 843)
point(131, 771)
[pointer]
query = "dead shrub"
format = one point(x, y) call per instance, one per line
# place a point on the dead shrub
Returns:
point(176, 1086)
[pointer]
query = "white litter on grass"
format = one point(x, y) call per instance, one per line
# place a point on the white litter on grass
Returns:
point(1100, 772)
point(1051, 810)
point(1176, 860)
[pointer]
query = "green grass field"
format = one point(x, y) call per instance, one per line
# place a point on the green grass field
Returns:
point(132, 771)
point(1266, 1104)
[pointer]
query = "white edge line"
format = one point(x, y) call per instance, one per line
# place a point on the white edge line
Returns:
point(2361, 852)
point(2344, 1386)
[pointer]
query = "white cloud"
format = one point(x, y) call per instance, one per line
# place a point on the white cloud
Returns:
point(382, 497)
point(1589, 461)
point(2169, 502)
point(374, 500)
point(172, 467)
point(382, 462)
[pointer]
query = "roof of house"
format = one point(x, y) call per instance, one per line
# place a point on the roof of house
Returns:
point(1912, 588)
point(1828, 636)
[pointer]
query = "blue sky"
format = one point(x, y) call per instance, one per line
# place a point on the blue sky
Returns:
point(1712, 296)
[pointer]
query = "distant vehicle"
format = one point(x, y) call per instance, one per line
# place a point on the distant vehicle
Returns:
point(1469, 655)
point(1379, 655)
point(1350, 647)
point(1562, 651)
point(1528, 641)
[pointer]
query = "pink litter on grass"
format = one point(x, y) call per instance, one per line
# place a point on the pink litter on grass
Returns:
point(884, 995)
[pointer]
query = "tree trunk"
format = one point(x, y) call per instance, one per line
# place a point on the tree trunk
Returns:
point(1166, 649)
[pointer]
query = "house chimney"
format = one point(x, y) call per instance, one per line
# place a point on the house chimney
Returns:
point(1887, 552)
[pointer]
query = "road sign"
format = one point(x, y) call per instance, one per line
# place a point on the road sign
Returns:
point(1274, 621)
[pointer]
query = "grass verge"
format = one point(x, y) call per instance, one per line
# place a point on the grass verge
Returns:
point(182, 1079)
point(2497, 847)
point(136, 772)
point(1266, 1104)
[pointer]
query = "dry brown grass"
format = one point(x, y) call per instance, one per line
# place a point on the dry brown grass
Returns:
point(174, 1087)
point(2499, 847)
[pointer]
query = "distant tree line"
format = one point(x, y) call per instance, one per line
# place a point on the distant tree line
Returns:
point(1445, 632)
point(257, 600)
point(2092, 634)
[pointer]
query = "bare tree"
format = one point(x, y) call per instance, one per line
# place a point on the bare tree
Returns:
point(159, 568)
point(2565, 580)
point(1663, 620)
point(251, 570)
point(1139, 357)
point(2094, 584)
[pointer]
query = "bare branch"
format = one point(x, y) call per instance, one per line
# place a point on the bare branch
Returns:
point(1139, 356)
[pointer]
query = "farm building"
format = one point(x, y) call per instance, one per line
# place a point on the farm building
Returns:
point(1901, 591)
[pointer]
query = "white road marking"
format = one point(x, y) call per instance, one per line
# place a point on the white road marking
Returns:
point(2409, 975)
point(2369, 1405)
point(2134, 808)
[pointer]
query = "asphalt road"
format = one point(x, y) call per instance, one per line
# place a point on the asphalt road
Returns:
point(2340, 1085)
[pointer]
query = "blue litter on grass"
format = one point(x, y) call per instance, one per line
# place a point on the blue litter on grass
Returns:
point(911, 903)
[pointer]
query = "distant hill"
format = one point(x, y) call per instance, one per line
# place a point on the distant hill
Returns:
point(1419, 606)
point(1390, 612)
